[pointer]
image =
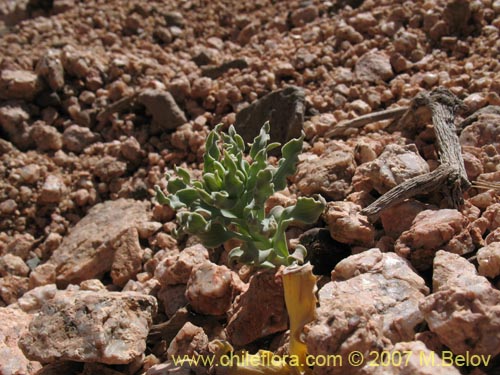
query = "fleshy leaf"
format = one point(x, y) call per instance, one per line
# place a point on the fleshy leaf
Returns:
point(288, 162)
point(260, 141)
point(306, 210)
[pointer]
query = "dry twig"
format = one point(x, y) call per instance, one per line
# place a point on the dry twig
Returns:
point(451, 174)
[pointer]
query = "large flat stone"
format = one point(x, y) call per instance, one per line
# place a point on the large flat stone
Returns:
point(284, 109)
point(89, 250)
point(88, 326)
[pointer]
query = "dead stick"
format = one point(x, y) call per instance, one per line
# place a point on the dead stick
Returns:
point(450, 175)
point(361, 121)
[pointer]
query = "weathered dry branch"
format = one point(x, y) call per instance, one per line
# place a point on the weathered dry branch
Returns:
point(359, 122)
point(450, 175)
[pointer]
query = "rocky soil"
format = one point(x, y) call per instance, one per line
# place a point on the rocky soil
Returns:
point(98, 99)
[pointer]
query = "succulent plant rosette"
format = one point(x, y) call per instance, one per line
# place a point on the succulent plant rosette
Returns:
point(229, 203)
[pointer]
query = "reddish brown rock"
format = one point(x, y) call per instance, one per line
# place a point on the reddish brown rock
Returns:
point(172, 298)
point(464, 310)
point(488, 258)
point(165, 112)
point(484, 131)
point(13, 265)
point(76, 138)
point(212, 288)
point(50, 67)
point(372, 301)
point(18, 84)
point(190, 340)
point(46, 137)
point(52, 190)
point(33, 299)
point(109, 167)
point(127, 261)
point(445, 229)
point(110, 327)
point(13, 121)
point(373, 66)
point(347, 225)
point(245, 322)
point(399, 218)
point(329, 174)
point(14, 325)
point(395, 165)
point(12, 287)
point(176, 269)
point(304, 15)
point(87, 253)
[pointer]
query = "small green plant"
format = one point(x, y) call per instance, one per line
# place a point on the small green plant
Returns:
point(229, 201)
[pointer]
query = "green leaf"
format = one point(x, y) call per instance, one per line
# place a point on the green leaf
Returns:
point(264, 188)
point(212, 183)
point(183, 174)
point(260, 141)
point(187, 196)
point(161, 198)
point(288, 162)
point(215, 235)
point(307, 210)
point(175, 184)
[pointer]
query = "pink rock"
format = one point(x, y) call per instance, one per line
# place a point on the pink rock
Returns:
point(245, 322)
point(46, 137)
point(394, 166)
point(373, 66)
point(85, 326)
point(212, 288)
point(21, 245)
point(128, 257)
point(176, 269)
point(347, 225)
point(42, 275)
point(52, 190)
point(13, 265)
point(190, 340)
point(329, 174)
point(50, 67)
point(399, 218)
point(18, 84)
point(14, 324)
point(33, 299)
point(431, 231)
point(12, 287)
point(372, 301)
point(488, 258)
point(484, 131)
point(172, 298)
point(464, 310)
point(88, 251)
